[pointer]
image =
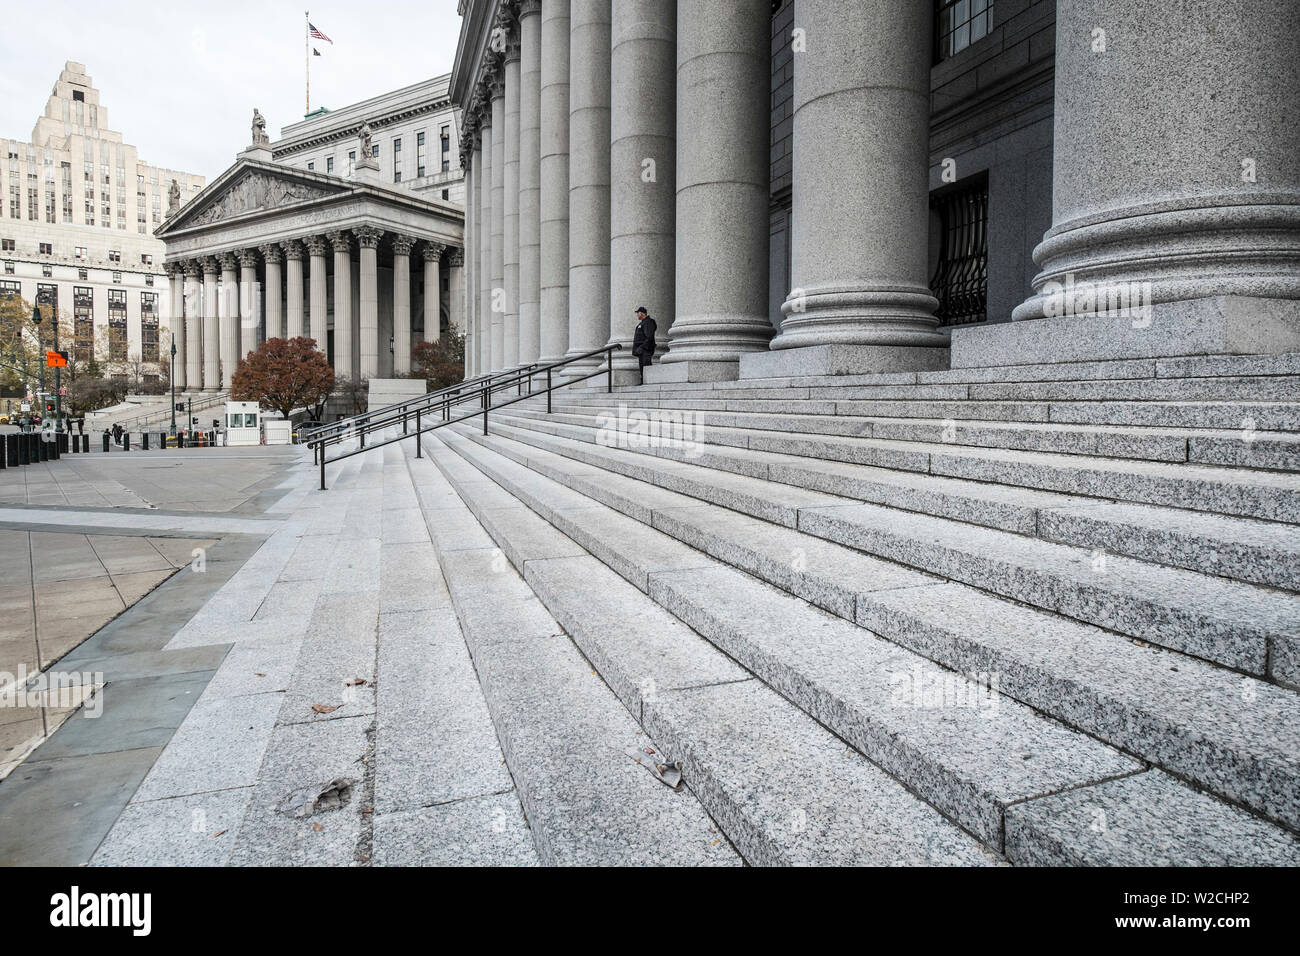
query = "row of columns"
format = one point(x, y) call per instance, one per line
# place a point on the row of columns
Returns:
point(218, 300)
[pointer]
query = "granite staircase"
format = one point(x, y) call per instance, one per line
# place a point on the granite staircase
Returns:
point(1039, 615)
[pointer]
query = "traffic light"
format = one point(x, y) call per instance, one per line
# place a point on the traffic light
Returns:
point(49, 405)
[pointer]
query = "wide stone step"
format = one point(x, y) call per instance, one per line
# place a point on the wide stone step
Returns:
point(1236, 735)
point(749, 756)
point(561, 729)
point(850, 680)
point(1259, 494)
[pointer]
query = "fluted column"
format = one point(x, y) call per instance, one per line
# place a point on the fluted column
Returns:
point(293, 288)
point(530, 225)
point(193, 305)
point(474, 348)
point(471, 252)
point(212, 337)
point(510, 222)
point(176, 322)
point(498, 223)
point(485, 246)
point(229, 309)
point(402, 304)
point(319, 247)
point(344, 360)
point(273, 291)
point(642, 191)
point(368, 239)
point(722, 201)
point(860, 189)
point(456, 291)
point(250, 304)
point(589, 124)
point(1175, 186)
point(432, 290)
point(554, 181)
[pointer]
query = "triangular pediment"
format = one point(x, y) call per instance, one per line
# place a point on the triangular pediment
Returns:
point(248, 188)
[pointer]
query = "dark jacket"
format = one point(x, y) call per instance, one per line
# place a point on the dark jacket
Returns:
point(643, 342)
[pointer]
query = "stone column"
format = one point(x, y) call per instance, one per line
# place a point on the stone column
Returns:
point(1175, 211)
point(176, 323)
point(530, 224)
point(498, 305)
point(250, 304)
point(318, 247)
point(229, 313)
point(456, 291)
point(401, 304)
point(193, 305)
point(432, 291)
point(510, 222)
point(273, 291)
point(368, 238)
point(722, 200)
point(589, 124)
point(344, 361)
point(859, 269)
point(293, 288)
point(554, 181)
point(642, 191)
point(212, 337)
point(483, 157)
point(471, 252)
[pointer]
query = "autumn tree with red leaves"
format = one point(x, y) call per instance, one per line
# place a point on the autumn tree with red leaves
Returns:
point(284, 374)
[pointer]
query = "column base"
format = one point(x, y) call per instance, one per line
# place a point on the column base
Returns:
point(693, 371)
point(842, 360)
point(1214, 325)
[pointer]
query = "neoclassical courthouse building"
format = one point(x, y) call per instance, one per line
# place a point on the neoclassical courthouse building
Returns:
point(820, 186)
point(315, 234)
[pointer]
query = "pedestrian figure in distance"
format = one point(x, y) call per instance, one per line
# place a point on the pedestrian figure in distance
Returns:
point(643, 342)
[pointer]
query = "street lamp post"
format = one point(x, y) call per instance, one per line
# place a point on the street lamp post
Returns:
point(40, 347)
point(172, 376)
point(58, 380)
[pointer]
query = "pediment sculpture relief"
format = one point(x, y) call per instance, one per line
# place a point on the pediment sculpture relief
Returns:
point(257, 191)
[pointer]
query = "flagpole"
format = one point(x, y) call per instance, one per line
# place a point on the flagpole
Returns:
point(306, 54)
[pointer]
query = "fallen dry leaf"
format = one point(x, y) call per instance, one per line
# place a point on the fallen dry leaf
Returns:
point(317, 827)
point(323, 708)
point(217, 834)
point(259, 675)
point(355, 682)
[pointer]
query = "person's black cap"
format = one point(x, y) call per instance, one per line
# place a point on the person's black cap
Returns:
point(641, 309)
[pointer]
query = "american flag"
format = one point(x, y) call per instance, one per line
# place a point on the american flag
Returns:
point(317, 34)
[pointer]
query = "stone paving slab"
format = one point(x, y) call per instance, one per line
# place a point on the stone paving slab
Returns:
point(489, 830)
point(193, 830)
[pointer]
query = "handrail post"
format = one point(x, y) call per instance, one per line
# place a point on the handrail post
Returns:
point(609, 361)
point(322, 469)
point(418, 439)
point(548, 390)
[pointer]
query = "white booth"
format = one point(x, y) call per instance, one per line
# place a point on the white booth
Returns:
point(243, 423)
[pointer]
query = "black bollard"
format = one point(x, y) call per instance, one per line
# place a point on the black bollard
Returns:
point(42, 448)
point(53, 443)
point(144, 441)
point(85, 444)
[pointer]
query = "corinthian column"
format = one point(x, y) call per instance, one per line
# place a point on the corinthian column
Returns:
point(723, 120)
point(554, 181)
point(498, 304)
point(456, 291)
point(293, 288)
point(229, 309)
point(402, 304)
point(483, 158)
point(344, 362)
point(250, 304)
point(274, 291)
point(212, 336)
point(193, 305)
point(319, 247)
point(510, 222)
point(530, 226)
point(176, 321)
point(589, 124)
point(860, 194)
point(432, 291)
point(368, 238)
point(642, 192)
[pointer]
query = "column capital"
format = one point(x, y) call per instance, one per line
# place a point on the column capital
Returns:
point(292, 248)
point(173, 269)
point(247, 258)
point(433, 250)
point(402, 245)
point(457, 258)
point(271, 253)
point(228, 260)
point(193, 268)
point(528, 8)
point(368, 236)
point(317, 245)
point(341, 240)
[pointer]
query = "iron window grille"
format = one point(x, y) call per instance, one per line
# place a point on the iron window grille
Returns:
point(961, 278)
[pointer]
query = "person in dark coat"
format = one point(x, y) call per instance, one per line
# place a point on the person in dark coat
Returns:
point(643, 342)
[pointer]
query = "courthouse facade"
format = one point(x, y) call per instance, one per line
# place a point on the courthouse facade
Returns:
point(814, 187)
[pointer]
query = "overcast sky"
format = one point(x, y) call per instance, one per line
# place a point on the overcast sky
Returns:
point(180, 80)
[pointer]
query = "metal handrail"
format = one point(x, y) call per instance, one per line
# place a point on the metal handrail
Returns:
point(484, 391)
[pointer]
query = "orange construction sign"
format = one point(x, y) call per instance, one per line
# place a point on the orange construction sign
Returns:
point(56, 359)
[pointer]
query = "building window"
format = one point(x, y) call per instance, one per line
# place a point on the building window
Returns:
point(419, 154)
point(117, 277)
point(374, 150)
point(15, 202)
point(146, 259)
point(960, 23)
point(9, 290)
point(117, 325)
point(47, 270)
point(329, 164)
point(148, 280)
point(78, 96)
point(446, 194)
point(444, 138)
point(961, 277)
point(311, 165)
point(149, 326)
point(9, 267)
point(33, 203)
point(47, 248)
point(7, 245)
point(114, 255)
point(397, 160)
point(83, 274)
point(352, 161)
point(83, 323)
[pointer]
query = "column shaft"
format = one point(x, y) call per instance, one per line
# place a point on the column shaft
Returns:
point(193, 305)
point(229, 317)
point(176, 322)
point(293, 289)
point(250, 305)
point(510, 222)
point(344, 358)
point(368, 237)
point(498, 306)
point(318, 247)
point(554, 181)
point(401, 305)
point(484, 158)
point(273, 291)
point(456, 292)
point(211, 326)
point(432, 291)
point(530, 225)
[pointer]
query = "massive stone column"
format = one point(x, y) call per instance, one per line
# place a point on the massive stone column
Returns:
point(401, 304)
point(230, 320)
point(211, 325)
point(318, 247)
point(176, 323)
point(530, 157)
point(723, 121)
point(432, 290)
point(456, 291)
point(510, 222)
point(293, 288)
point(250, 304)
point(1175, 188)
point(484, 361)
point(193, 325)
point(368, 239)
point(471, 255)
point(344, 361)
point(498, 305)
point(589, 124)
point(554, 181)
point(274, 290)
point(860, 194)
point(642, 190)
